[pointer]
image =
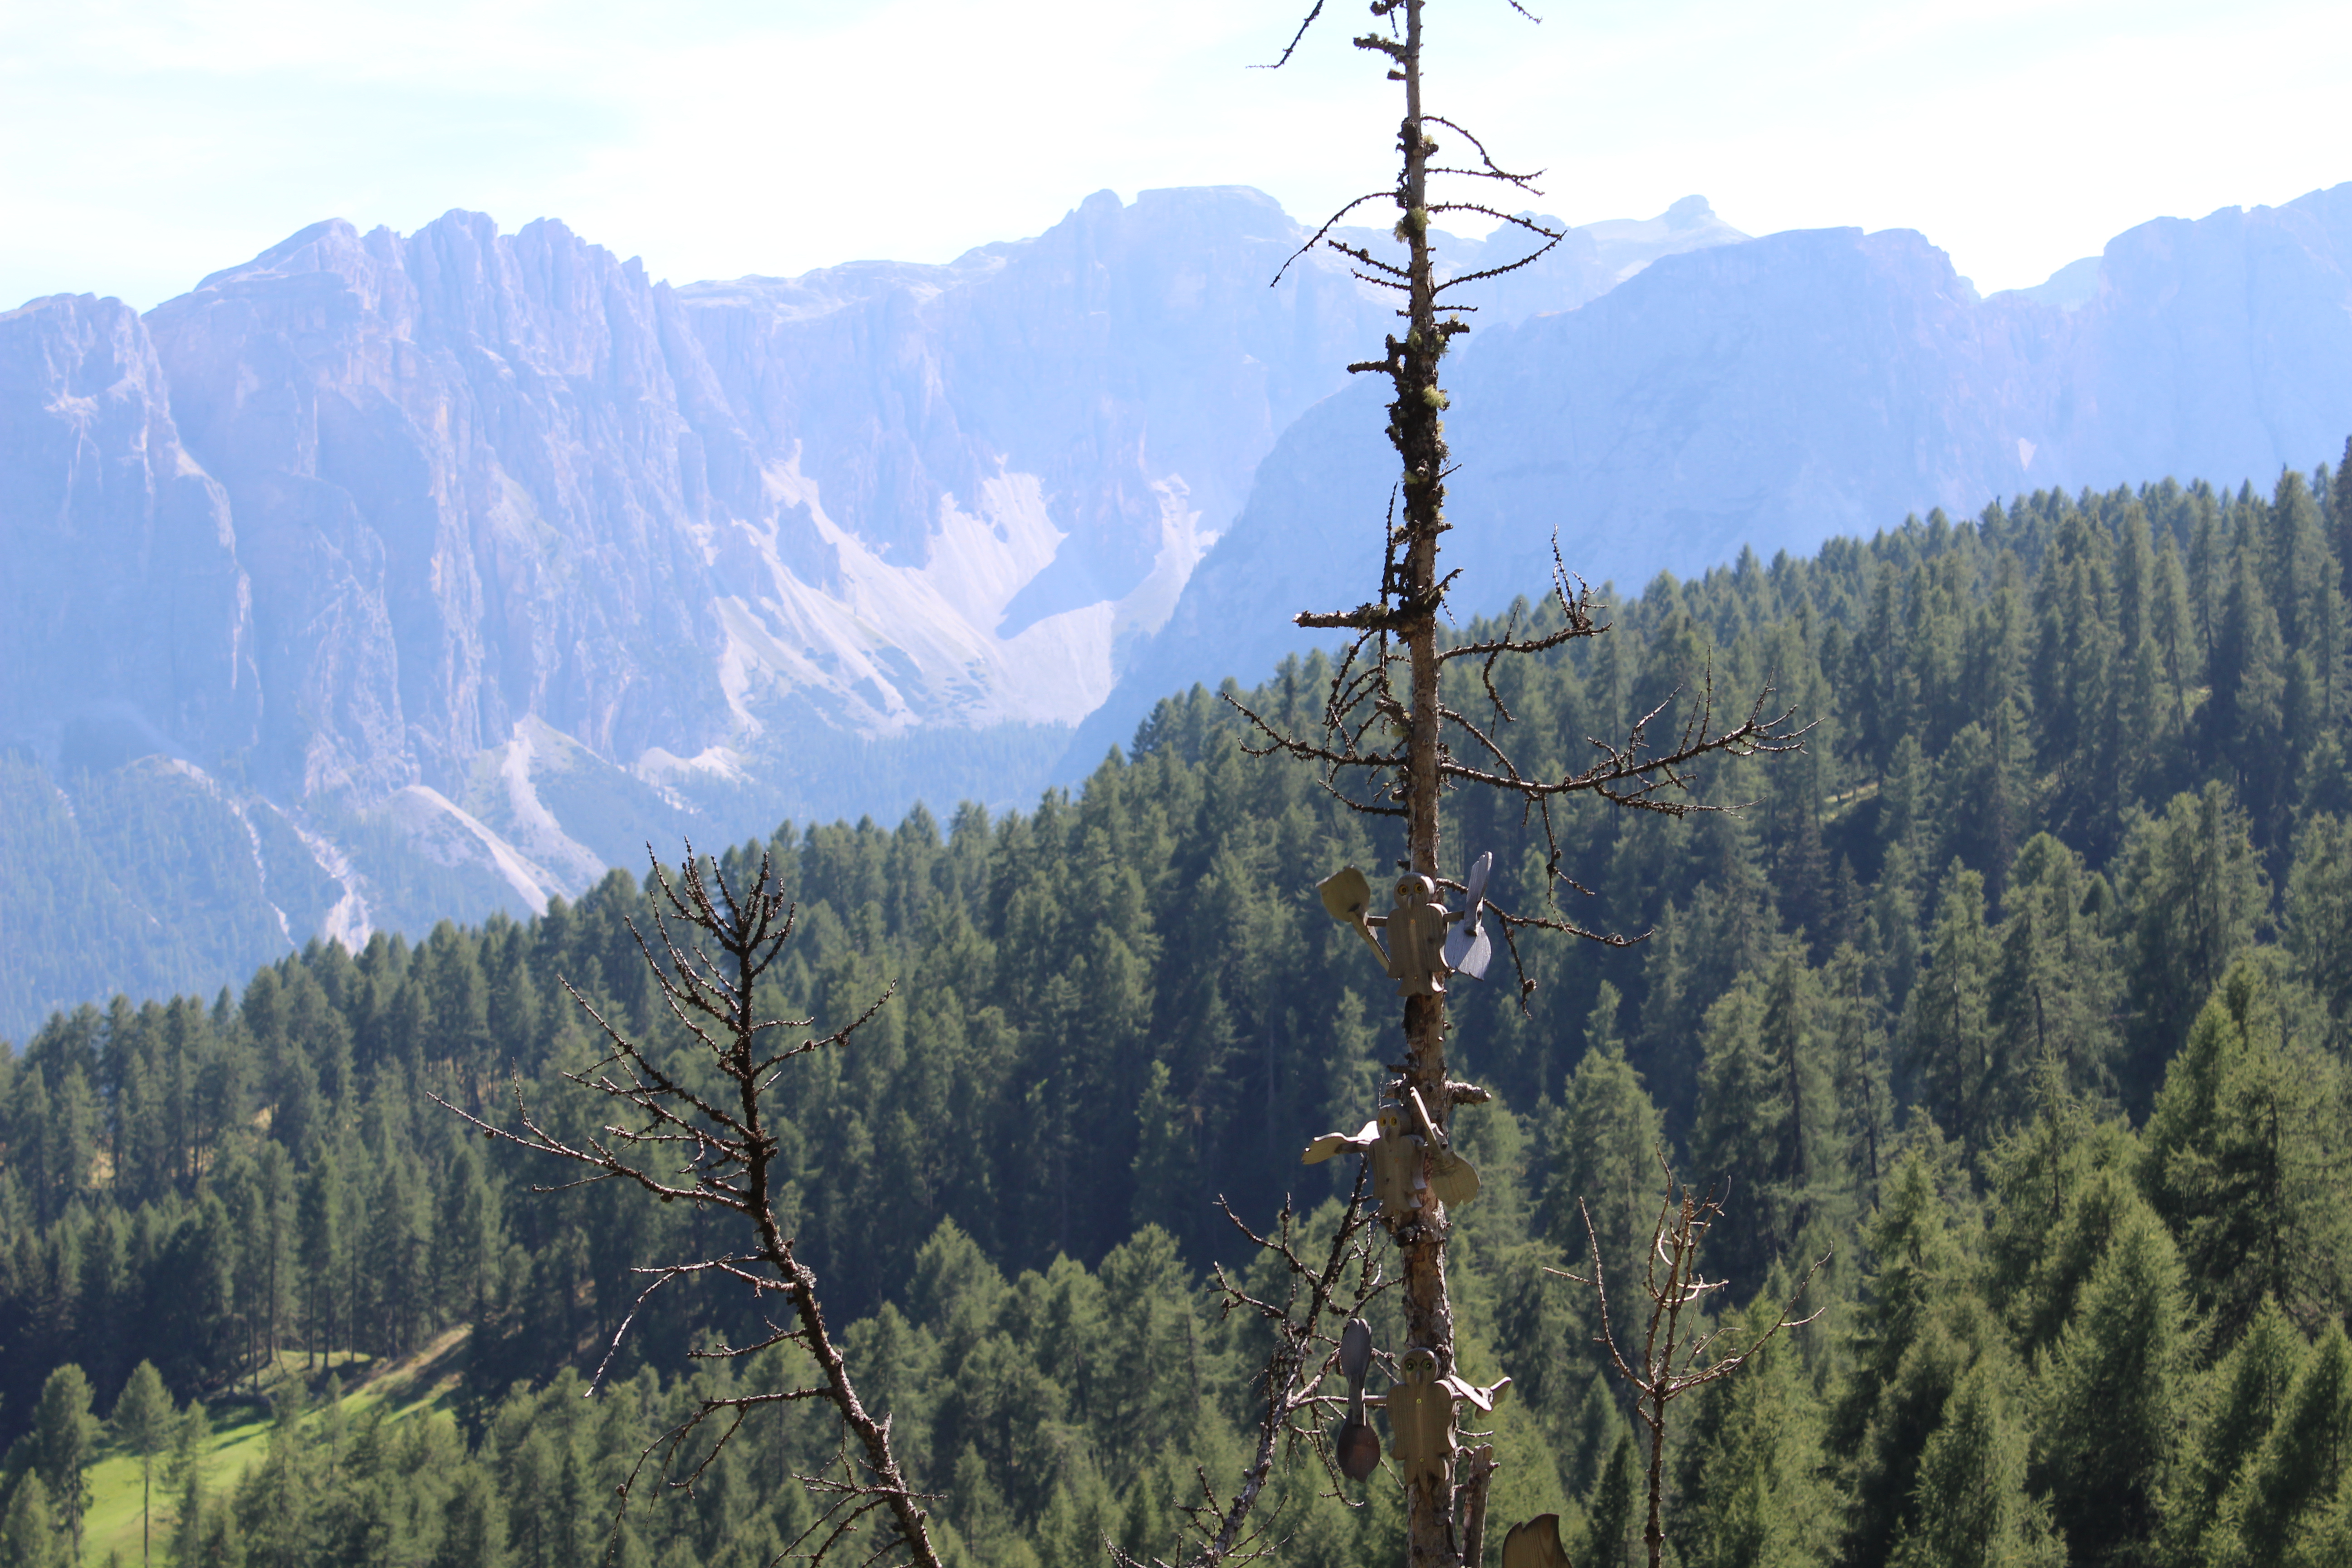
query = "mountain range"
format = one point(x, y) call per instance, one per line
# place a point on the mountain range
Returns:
point(387, 577)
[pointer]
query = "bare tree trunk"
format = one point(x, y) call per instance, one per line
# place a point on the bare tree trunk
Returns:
point(1428, 1310)
point(1397, 749)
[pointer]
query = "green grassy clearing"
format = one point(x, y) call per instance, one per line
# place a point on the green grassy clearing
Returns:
point(416, 1384)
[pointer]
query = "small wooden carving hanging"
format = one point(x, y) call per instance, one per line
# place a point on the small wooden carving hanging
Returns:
point(1396, 1179)
point(1467, 950)
point(1453, 1178)
point(1356, 1444)
point(1535, 1545)
point(1421, 1419)
point(1347, 897)
point(1483, 1399)
point(1420, 950)
point(1416, 933)
point(1330, 1144)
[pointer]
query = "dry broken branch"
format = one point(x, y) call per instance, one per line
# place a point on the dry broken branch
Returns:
point(713, 946)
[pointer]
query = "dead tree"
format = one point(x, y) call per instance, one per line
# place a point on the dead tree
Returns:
point(1393, 742)
point(719, 1148)
point(1681, 1350)
point(1306, 1318)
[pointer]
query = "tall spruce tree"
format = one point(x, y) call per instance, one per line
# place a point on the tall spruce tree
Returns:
point(2317, 928)
point(2289, 1483)
point(1951, 1041)
point(29, 1537)
point(2243, 1397)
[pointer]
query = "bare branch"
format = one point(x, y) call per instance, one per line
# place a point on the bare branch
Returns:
point(720, 1154)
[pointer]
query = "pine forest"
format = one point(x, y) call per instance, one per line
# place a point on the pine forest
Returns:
point(2023, 993)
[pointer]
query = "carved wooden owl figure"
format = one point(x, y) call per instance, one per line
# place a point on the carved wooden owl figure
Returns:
point(1421, 1417)
point(1397, 1177)
point(1416, 933)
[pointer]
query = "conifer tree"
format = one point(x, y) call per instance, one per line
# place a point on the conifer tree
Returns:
point(1951, 1045)
point(1607, 1143)
point(2317, 928)
point(64, 1447)
point(1616, 1496)
point(2052, 993)
point(2112, 1396)
point(2339, 503)
point(2183, 654)
point(2243, 1397)
point(1972, 1508)
point(1853, 1021)
point(1916, 1328)
point(2194, 895)
point(1764, 1106)
point(1752, 1471)
point(29, 1128)
point(2064, 1182)
point(318, 1245)
point(28, 1530)
point(2244, 1159)
point(2302, 1461)
point(142, 1425)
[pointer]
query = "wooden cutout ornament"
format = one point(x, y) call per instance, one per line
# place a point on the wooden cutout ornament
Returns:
point(1396, 1179)
point(1467, 950)
point(1453, 1178)
point(1349, 900)
point(1535, 1545)
point(1330, 1144)
point(1484, 1399)
point(1420, 950)
point(1416, 933)
point(1357, 1444)
point(1421, 1419)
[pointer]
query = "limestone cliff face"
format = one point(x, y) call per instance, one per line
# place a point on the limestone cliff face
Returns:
point(481, 478)
point(2220, 347)
point(489, 546)
point(466, 485)
point(126, 617)
point(1012, 462)
point(402, 498)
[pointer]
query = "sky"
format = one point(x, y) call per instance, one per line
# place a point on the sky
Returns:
point(146, 143)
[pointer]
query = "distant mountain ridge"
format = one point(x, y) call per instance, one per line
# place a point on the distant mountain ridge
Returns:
point(1772, 393)
point(448, 568)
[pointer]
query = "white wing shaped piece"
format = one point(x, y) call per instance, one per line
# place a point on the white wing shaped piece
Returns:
point(1467, 950)
point(1330, 1144)
point(1483, 1398)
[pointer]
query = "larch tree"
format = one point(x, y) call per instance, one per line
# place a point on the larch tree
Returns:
point(142, 1424)
point(63, 1446)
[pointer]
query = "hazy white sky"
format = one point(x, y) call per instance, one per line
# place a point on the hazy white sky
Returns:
point(146, 143)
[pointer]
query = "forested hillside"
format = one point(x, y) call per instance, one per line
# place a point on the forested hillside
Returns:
point(2025, 989)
